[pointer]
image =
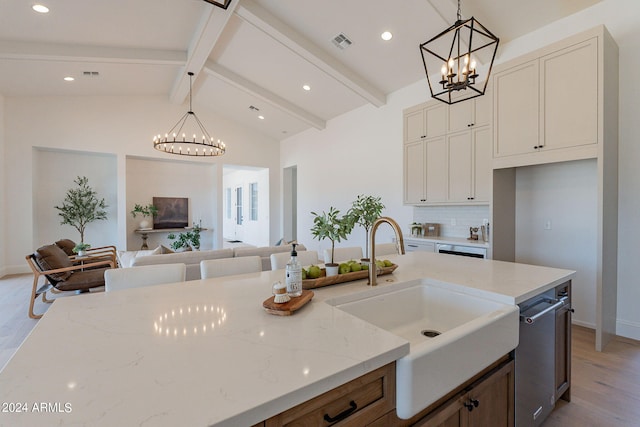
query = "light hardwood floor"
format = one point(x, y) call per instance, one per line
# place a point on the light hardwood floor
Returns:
point(605, 388)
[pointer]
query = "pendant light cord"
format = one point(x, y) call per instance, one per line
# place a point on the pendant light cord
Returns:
point(459, 13)
point(191, 84)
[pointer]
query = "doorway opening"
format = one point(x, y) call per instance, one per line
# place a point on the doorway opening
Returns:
point(245, 206)
point(290, 203)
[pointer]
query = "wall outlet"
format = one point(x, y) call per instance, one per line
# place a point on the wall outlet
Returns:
point(454, 222)
point(547, 224)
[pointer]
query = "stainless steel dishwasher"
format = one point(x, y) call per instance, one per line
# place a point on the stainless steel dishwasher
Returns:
point(535, 359)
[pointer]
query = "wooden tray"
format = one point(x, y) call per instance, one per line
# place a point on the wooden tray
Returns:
point(289, 307)
point(323, 280)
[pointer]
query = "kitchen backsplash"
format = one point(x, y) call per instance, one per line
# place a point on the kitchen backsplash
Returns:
point(463, 216)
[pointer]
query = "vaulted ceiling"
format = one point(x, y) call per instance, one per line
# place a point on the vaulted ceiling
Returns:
point(257, 53)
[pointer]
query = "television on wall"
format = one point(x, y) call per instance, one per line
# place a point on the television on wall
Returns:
point(173, 212)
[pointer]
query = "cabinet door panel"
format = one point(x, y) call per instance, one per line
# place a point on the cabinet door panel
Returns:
point(495, 399)
point(414, 126)
point(482, 169)
point(461, 115)
point(437, 170)
point(570, 96)
point(437, 120)
point(483, 109)
point(460, 167)
point(414, 172)
point(516, 110)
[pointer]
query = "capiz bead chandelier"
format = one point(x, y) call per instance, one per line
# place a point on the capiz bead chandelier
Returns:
point(454, 52)
point(177, 142)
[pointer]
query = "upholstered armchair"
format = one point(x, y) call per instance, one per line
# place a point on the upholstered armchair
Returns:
point(64, 273)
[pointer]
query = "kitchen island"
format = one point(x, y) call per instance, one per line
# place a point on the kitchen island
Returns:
point(206, 353)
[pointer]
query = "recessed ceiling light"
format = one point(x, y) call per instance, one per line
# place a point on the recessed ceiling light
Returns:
point(69, 79)
point(40, 8)
point(261, 117)
point(386, 36)
point(306, 87)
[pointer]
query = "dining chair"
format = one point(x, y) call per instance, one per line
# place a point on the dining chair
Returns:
point(343, 254)
point(144, 275)
point(211, 268)
point(305, 258)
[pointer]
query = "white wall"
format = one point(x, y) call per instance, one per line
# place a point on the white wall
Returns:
point(364, 147)
point(118, 126)
point(51, 181)
point(251, 232)
point(359, 152)
point(3, 200)
point(564, 197)
point(147, 178)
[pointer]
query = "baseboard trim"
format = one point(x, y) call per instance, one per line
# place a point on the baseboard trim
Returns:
point(14, 269)
point(628, 329)
point(583, 324)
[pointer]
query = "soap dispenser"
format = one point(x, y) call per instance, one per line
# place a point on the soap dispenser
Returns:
point(294, 274)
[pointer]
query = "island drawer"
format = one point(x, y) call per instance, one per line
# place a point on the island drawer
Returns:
point(355, 403)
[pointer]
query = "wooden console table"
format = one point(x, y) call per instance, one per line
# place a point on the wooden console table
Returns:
point(144, 233)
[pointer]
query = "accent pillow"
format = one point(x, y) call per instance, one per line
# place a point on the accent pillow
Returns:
point(166, 250)
point(51, 257)
point(66, 245)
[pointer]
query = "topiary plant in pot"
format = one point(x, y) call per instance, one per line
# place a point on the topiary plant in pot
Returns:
point(365, 210)
point(334, 227)
point(82, 206)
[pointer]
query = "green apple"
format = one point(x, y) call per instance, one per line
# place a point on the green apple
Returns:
point(344, 268)
point(314, 272)
point(356, 267)
point(304, 274)
point(387, 263)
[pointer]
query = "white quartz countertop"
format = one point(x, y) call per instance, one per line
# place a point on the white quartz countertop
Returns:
point(447, 240)
point(206, 353)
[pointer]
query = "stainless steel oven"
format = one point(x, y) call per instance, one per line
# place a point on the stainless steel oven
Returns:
point(470, 251)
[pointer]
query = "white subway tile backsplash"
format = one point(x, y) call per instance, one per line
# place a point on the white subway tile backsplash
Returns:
point(465, 217)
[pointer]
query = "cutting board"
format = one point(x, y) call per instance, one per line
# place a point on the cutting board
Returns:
point(289, 307)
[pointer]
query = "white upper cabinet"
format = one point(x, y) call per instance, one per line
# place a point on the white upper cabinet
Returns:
point(516, 110)
point(415, 191)
point(547, 106)
point(471, 113)
point(569, 96)
point(425, 121)
point(448, 152)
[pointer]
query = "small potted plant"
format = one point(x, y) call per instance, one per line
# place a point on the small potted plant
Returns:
point(365, 210)
point(81, 248)
point(187, 240)
point(145, 211)
point(333, 227)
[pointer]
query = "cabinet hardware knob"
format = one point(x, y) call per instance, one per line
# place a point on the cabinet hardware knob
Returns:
point(473, 403)
point(342, 415)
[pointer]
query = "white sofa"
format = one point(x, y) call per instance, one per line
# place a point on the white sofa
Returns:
point(192, 258)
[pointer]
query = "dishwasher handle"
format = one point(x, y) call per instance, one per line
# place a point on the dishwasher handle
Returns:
point(529, 320)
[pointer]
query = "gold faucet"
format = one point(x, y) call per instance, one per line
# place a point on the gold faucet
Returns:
point(372, 245)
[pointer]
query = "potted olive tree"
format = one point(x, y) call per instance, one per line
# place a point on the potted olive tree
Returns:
point(365, 210)
point(145, 211)
point(334, 227)
point(82, 206)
